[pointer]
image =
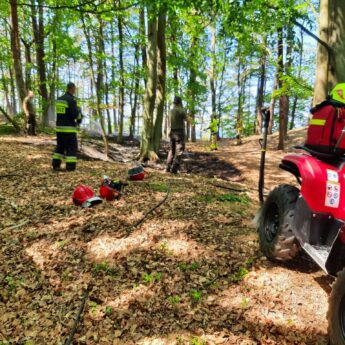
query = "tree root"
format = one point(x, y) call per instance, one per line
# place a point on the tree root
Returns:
point(77, 319)
point(140, 221)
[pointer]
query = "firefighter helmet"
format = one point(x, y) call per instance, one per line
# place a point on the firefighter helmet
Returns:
point(85, 197)
point(136, 173)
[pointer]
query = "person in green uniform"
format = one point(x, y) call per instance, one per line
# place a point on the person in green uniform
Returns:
point(177, 117)
point(214, 132)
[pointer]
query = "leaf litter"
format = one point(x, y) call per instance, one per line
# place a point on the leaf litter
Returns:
point(190, 274)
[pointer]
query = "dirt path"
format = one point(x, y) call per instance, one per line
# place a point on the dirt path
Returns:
point(246, 158)
point(191, 274)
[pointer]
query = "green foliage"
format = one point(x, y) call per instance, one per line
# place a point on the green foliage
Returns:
point(159, 187)
point(93, 306)
point(151, 278)
point(196, 295)
point(101, 267)
point(108, 310)
point(6, 129)
point(174, 299)
point(184, 267)
point(197, 341)
point(239, 274)
point(229, 197)
point(244, 303)
point(11, 283)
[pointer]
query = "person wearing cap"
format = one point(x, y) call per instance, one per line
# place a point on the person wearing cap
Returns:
point(68, 117)
point(177, 117)
point(30, 116)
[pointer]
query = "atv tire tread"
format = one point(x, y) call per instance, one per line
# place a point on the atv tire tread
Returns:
point(284, 246)
point(338, 290)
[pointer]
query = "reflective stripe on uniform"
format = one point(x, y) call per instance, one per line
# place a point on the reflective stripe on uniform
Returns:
point(317, 122)
point(71, 159)
point(61, 106)
point(58, 156)
point(66, 129)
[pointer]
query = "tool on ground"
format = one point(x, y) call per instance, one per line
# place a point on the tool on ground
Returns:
point(111, 189)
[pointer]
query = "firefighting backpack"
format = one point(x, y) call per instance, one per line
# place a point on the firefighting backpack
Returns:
point(326, 131)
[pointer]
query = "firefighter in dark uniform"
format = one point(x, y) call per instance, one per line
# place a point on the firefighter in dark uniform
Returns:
point(68, 117)
point(178, 118)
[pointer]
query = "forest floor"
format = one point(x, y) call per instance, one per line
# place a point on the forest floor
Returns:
point(191, 273)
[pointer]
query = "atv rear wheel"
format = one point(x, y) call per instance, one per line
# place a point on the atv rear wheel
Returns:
point(275, 225)
point(336, 311)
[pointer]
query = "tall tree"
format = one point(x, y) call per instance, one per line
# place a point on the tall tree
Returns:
point(161, 74)
point(38, 30)
point(16, 51)
point(330, 61)
point(260, 91)
point(283, 100)
point(122, 79)
point(147, 144)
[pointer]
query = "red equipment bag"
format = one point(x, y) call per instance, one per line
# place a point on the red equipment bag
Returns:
point(326, 131)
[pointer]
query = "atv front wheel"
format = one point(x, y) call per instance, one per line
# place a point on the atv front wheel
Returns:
point(336, 311)
point(275, 224)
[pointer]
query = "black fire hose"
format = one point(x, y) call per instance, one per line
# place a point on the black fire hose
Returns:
point(263, 143)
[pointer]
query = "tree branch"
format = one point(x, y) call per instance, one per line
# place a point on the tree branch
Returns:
point(81, 7)
point(9, 119)
point(309, 33)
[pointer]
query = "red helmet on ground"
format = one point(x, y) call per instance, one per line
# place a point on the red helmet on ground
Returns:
point(85, 197)
point(136, 173)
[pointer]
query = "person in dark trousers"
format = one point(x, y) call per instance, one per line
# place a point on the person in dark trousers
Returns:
point(68, 117)
point(177, 117)
point(30, 116)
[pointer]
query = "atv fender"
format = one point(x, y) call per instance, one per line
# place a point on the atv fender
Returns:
point(312, 174)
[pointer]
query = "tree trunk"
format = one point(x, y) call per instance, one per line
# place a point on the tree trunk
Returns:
point(260, 92)
point(28, 64)
point(337, 43)
point(135, 91)
point(282, 99)
point(96, 84)
point(161, 75)
point(16, 53)
point(191, 89)
point(213, 72)
point(10, 120)
point(273, 102)
point(113, 75)
point(321, 86)
point(147, 147)
point(106, 92)
point(287, 67)
point(239, 118)
point(143, 44)
point(122, 79)
point(294, 104)
point(38, 30)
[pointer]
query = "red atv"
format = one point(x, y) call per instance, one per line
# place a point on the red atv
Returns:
point(311, 217)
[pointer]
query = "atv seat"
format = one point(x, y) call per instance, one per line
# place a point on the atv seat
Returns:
point(333, 159)
point(317, 154)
